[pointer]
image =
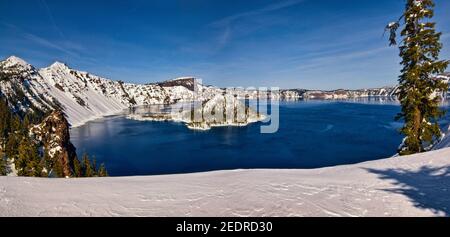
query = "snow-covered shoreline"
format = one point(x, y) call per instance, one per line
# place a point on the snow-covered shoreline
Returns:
point(415, 185)
point(97, 117)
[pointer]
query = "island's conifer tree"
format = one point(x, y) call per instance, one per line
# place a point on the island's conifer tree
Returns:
point(418, 86)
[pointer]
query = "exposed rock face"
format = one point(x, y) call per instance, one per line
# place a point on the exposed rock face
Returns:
point(291, 94)
point(187, 82)
point(53, 134)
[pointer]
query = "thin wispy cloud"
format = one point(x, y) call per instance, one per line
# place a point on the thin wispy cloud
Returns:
point(348, 56)
point(51, 18)
point(229, 28)
point(224, 37)
point(269, 8)
point(44, 42)
point(39, 40)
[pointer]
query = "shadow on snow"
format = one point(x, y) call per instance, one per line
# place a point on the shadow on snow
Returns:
point(427, 188)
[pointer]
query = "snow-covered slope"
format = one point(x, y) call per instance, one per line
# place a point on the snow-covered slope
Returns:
point(22, 85)
point(81, 95)
point(415, 185)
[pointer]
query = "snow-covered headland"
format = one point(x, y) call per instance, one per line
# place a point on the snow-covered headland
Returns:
point(415, 185)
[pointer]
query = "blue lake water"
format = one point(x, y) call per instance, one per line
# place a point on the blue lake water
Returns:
point(312, 134)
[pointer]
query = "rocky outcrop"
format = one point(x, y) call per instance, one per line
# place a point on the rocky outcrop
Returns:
point(53, 135)
point(291, 94)
point(189, 83)
point(221, 110)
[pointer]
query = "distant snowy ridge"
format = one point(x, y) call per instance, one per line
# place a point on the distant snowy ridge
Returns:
point(83, 96)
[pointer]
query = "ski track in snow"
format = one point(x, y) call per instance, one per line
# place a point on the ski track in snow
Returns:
point(351, 190)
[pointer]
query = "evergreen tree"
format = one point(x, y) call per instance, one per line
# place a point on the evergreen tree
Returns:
point(28, 161)
point(57, 167)
point(77, 169)
point(48, 163)
point(419, 50)
point(3, 167)
point(16, 125)
point(26, 122)
point(87, 166)
point(5, 120)
point(102, 172)
point(94, 166)
point(12, 145)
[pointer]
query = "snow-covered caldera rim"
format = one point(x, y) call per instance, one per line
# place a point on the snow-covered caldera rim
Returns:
point(59, 65)
point(185, 78)
point(12, 61)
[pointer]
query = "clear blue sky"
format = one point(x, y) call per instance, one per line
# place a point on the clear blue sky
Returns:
point(316, 44)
